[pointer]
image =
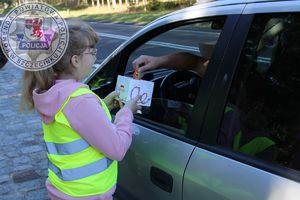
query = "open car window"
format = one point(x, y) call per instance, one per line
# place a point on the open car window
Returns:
point(175, 91)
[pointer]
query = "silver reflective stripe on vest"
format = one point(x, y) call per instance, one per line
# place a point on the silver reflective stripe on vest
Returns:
point(67, 148)
point(81, 172)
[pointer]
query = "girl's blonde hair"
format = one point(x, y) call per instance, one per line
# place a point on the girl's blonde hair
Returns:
point(81, 36)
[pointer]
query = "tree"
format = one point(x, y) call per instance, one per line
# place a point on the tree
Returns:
point(108, 4)
point(7, 3)
point(120, 4)
point(114, 4)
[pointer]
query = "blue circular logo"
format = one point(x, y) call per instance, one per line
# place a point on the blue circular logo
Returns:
point(34, 36)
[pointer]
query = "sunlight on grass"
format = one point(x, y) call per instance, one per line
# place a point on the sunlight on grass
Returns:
point(106, 15)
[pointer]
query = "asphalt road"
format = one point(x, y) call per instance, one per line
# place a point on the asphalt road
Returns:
point(111, 36)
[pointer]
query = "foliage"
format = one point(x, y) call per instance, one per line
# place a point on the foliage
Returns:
point(9, 2)
point(155, 5)
point(137, 6)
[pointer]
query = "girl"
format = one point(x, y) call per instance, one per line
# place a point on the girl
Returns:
point(83, 145)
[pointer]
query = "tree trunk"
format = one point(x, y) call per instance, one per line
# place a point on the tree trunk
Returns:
point(98, 3)
point(127, 5)
point(145, 5)
point(108, 4)
point(114, 4)
point(120, 4)
point(102, 3)
point(93, 4)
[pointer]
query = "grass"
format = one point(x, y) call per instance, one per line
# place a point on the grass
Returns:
point(105, 14)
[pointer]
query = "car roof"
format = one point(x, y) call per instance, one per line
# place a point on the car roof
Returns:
point(220, 3)
point(234, 2)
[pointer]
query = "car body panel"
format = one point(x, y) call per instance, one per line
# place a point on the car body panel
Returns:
point(170, 155)
point(211, 176)
point(272, 7)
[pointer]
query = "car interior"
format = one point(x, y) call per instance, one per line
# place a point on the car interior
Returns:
point(266, 93)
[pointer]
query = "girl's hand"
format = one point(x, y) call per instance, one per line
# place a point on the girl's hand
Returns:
point(133, 104)
point(111, 100)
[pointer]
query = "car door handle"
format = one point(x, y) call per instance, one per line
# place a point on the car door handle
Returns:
point(161, 179)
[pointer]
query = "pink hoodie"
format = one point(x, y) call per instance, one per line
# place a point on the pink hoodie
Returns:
point(88, 118)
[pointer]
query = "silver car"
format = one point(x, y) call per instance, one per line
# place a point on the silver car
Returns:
point(232, 134)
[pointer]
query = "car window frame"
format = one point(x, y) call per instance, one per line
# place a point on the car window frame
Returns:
point(192, 134)
point(218, 100)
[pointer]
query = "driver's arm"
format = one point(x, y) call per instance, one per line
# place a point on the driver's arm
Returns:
point(177, 61)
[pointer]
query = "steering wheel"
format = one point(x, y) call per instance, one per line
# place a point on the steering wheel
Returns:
point(180, 86)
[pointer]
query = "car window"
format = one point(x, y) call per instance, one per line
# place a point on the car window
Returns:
point(262, 114)
point(175, 92)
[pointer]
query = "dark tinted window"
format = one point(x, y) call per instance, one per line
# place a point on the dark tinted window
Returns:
point(262, 115)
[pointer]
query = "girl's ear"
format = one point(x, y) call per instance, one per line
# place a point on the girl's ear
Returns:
point(75, 61)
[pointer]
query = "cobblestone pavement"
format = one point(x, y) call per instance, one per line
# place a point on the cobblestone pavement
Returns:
point(23, 159)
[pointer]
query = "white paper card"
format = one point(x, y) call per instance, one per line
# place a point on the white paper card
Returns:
point(130, 88)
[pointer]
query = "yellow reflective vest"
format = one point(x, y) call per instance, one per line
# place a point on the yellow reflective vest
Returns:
point(75, 167)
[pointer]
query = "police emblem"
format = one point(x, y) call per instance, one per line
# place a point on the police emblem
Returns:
point(34, 36)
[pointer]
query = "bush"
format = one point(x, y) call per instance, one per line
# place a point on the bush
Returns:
point(153, 5)
point(170, 5)
point(186, 3)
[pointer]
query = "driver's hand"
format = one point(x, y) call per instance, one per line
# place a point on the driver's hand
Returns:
point(144, 63)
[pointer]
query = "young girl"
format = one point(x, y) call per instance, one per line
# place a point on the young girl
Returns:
point(83, 145)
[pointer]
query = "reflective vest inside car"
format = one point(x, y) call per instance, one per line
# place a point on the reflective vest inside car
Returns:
point(75, 167)
point(252, 147)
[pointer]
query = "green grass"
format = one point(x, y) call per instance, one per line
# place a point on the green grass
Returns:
point(104, 14)
point(139, 18)
point(107, 15)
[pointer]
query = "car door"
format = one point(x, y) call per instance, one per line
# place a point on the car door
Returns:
point(249, 146)
point(164, 135)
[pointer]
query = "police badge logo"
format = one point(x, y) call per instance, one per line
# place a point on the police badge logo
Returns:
point(34, 36)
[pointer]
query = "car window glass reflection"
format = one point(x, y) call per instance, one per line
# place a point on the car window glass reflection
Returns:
point(262, 116)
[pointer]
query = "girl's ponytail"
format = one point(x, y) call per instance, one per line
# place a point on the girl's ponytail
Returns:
point(42, 80)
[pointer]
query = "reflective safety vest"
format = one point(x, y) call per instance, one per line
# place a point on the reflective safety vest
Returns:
point(254, 146)
point(75, 167)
